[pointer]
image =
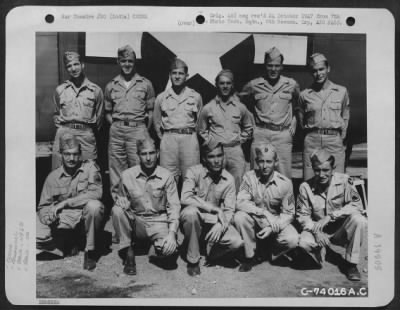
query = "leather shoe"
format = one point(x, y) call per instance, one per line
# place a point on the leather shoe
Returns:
point(193, 269)
point(89, 263)
point(352, 272)
point(130, 263)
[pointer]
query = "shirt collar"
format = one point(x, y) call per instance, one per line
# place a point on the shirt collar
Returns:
point(221, 176)
point(232, 100)
point(85, 84)
point(272, 181)
point(154, 175)
point(62, 171)
point(119, 79)
point(171, 93)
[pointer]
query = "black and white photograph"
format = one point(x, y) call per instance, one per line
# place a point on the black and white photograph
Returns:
point(226, 164)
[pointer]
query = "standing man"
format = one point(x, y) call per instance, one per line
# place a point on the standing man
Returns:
point(226, 120)
point(129, 102)
point(175, 118)
point(209, 197)
point(147, 207)
point(273, 99)
point(265, 205)
point(70, 193)
point(324, 114)
point(329, 209)
point(79, 109)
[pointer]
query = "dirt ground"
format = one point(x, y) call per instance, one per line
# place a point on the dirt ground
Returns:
point(65, 278)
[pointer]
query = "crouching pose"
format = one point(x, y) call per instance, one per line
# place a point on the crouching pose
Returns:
point(329, 209)
point(265, 205)
point(147, 208)
point(208, 200)
point(71, 193)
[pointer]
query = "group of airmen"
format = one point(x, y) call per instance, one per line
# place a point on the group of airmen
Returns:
point(195, 180)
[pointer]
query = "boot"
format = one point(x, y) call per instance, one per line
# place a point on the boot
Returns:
point(130, 263)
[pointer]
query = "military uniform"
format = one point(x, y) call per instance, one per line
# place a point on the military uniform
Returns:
point(78, 110)
point(154, 210)
point(231, 124)
point(129, 107)
point(199, 193)
point(83, 190)
point(276, 198)
point(175, 118)
point(348, 227)
point(326, 116)
point(273, 112)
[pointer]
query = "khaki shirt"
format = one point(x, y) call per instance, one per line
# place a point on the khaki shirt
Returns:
point(340, 200)
point(272, 104)
point(83, 105)
point(199, 190)
point(76, 189)
point(151, 195)
point(227, 122)
point(326, 109)
point(276, 197)
point(132, 103)
point(172, 111)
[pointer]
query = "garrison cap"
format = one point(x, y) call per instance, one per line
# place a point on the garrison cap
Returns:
point(69, 141)
point(316, 58)
point(265, 148)
point(227, 73)
point(272, 54)
point(126, 52)
point(145, 142)
point(209, 146)
point(320, 156)
point(70, 56)
point(178, 63)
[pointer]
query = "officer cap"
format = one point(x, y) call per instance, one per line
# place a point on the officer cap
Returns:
point(272, 54)
point(227, 73)
point(320, 156)
point(69, 141)
point(177, 64)
point(70, 56)
point(265, 148)
point(126, 52)
point(317, 58)
point(211, 145)
point(145, 142)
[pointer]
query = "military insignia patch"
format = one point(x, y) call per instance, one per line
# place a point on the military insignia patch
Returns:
point(350, 180)
point(97, 178)
point(355, 196)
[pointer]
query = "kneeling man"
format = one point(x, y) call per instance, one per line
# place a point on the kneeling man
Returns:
point(208, 200)
point(70, 193)
point(147, 207)
point(329, 209)
point(265, 203)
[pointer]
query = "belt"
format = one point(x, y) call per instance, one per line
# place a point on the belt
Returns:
point(182, 131)
point(77, 125)
point(326, 131)
point(272, 126)
point(128, 123)
point(150, 214)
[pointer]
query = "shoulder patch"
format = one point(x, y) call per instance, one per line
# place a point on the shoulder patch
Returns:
point(350, 181)
point(355, 197)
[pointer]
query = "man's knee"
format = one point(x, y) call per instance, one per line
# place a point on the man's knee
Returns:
point(94, 207)
point(117, 212)
point(190, 214)
point(359, 220)
point(290, 240)
point(307, 242)
point(236, 242)
point(241, 219)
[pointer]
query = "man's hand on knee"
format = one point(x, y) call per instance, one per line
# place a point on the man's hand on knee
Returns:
point(169, 244)
point(123, 202)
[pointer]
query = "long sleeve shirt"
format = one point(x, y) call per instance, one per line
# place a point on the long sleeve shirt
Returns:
point(151, 195)
point(327, 108)
point(82, 105)
point(131, 103)
point(201, 191)
point(272, 104)
point(227, 122)
point(173, 111)
point(273, 199)
point(313, 204)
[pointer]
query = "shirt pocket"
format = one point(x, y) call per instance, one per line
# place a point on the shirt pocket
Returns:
point(190, 106)
point(236, 119)
point(285, 96)
point(82, 185)
point(335, 110)
point(60, 194)
point(139, 93)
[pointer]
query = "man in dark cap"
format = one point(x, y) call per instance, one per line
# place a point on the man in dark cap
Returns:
point(129, 102)
point(208, 199)
point(266, 208)
point(176, 112)
point(272, 99)
point(79, 109)
point(70, 193)
point(147, 208)
point(226, 120)
point(330, 210)
point(324, 114)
